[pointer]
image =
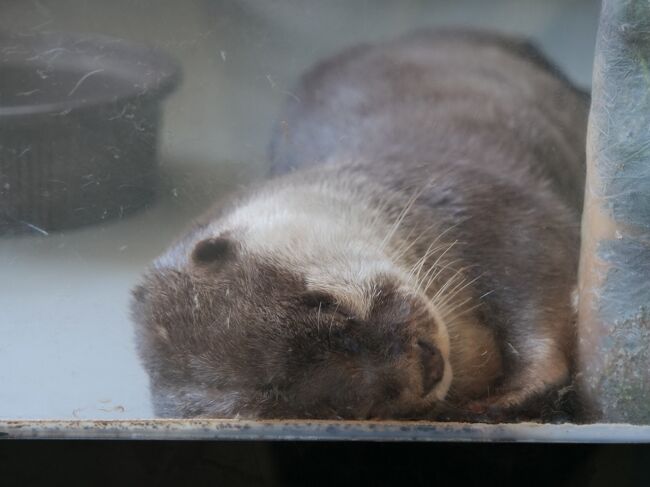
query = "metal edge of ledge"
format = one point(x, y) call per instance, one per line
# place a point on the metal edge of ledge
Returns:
point(244, 430)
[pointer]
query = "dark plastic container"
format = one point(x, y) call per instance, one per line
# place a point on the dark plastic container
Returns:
point(79, 124)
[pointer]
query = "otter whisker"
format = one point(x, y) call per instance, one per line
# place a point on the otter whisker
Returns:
point(486, 294)
point(427, 253)
point(443, 299)
point(329, 332)
point(318, 317)
point(453, 292)
point(400, 217)
point(439, 258)
point(409, 205)
point(445, 311)
point(443, 288)
point(430, 278)
point(422, 260)
point(450, 321)
point(451, 281)
point(439, 269)
point(408, 244)
point(451, 245)
point(405, 245)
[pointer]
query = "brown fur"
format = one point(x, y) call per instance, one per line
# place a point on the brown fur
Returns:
point(465, 150)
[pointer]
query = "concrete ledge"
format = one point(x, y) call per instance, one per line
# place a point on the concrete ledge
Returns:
point(384, 431)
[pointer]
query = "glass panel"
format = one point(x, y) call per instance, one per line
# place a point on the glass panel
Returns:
point(122, 120)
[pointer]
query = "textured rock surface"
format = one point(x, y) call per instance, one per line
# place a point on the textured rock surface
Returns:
point(615, 267)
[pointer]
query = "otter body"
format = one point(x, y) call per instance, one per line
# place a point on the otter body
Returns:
point(414, 257)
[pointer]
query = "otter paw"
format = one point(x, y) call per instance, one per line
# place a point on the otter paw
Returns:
point(506, 407)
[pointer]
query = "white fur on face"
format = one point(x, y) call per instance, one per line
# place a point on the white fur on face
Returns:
point(308, 230)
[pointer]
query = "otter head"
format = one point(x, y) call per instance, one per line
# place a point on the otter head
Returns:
point(235, 331)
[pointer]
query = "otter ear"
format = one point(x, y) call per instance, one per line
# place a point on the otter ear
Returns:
point(212, 250)
point(138, 304)
point(139, 293)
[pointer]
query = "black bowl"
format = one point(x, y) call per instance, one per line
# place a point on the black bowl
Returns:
point(79, 124)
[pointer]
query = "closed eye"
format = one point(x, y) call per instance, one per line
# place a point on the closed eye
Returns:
point(318, 300)
point(325, 303)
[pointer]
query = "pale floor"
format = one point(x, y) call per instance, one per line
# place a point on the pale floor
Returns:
point(66, 342)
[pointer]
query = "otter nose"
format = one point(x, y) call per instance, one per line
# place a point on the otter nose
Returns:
point(433, 365)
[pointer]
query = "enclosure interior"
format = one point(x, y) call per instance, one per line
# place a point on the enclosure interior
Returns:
point(66, 341)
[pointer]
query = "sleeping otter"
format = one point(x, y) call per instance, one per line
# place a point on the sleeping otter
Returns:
point(413, 257)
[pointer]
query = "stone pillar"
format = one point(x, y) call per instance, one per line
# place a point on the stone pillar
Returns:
point(614, 315)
